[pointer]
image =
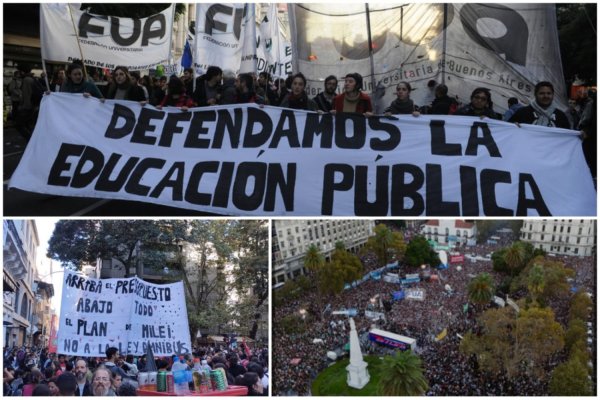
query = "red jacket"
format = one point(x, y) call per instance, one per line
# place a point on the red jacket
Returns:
point(182, 101)
point(363, 105)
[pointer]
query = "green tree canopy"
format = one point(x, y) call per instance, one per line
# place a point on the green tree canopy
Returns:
point(481, 289)
point(386, 244)
point(343, 268)
point(419, 252)
point(313, 260)
point(570, 379)
point(402, 375)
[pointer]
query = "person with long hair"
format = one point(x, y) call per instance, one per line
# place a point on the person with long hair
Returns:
point(297, 99)
point(76, 82)
point(252, 382)
point(176, 95)
point(123, 88)
point(480, 105)
point(403, 103)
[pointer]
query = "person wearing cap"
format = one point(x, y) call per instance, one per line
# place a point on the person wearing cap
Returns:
point(353, 100)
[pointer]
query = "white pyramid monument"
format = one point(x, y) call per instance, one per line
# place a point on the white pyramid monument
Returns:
point(358, 375)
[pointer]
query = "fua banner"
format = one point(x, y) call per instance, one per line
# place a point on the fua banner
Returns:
point(251, 160)
point(104, 41)
point(127, 313)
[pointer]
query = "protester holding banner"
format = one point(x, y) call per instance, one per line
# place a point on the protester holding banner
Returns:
point(480, 105)
point(442, 104)
point(542, 111)
point(403, 104)
point(58, 78)
point(245, 90)
point(76, 83)
point(208, 87)
point(176, 96)
point(122, 88)
point(353, 100)
point(298, 99)
point(324, 99)
point(265, 89)
point(228, 89)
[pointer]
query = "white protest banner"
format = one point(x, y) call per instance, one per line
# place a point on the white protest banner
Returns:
point(391, 278)
point(225, 36)
point(415, 294)
point(105, 41)
point(499, 301)
point(505, 47)
point(274, 52)
point(248, 160)
point(373, 315)
point(126, 313)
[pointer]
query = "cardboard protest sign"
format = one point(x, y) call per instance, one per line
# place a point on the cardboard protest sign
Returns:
point(248, 160)
point(127, 313)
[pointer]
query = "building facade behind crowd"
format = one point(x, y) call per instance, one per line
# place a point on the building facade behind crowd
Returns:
point(26, 309)
point(571, 237)
point(292, 238)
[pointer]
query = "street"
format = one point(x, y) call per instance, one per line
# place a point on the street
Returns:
point(19, 203)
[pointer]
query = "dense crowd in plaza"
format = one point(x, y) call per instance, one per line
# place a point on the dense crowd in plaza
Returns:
point(297, 360)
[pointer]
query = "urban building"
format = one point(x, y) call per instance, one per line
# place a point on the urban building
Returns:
point(20, 242)
point(42, 312)
point(292, 238)
point(449, 232)
point(574, 237)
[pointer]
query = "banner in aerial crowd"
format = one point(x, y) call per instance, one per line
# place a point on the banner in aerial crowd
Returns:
point(507, 48)
point(67, 33)
point(268, 161)
point(127, 313)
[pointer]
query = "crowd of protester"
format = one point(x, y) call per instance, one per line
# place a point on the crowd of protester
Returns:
point(33, 371)
point(298, 358)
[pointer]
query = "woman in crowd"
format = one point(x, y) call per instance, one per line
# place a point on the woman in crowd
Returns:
point(297, 99)
point(176, 96)
point(353, 100)
point(123, 88)
point(403, 104)
point(76, 82)
point(480, 105)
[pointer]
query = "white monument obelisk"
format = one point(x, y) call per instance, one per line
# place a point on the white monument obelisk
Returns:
point(358, 375)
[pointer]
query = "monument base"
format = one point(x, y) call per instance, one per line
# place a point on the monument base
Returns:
point(358, 375)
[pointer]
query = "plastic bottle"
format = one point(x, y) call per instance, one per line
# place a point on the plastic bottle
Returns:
point(197, 376)
point(205, 384)
point(180, 377)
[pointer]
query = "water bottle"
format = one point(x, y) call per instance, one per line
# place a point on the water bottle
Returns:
point(180, 377)
point(206, 385)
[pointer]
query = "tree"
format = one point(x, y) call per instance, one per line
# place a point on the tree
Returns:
point(251, 272)
point(570, 379)
point(481, 289)
point(577, 40)
point(130, 242)
point(494, 348)
point(580, 304)
point(313, 260)
point(507, 344)
point(576, 333)
point(402, 375)
point(419, 252)
point(536, 282)
point(514, 258)
point(538, 337)
point(343, 268)
point(386, 244)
